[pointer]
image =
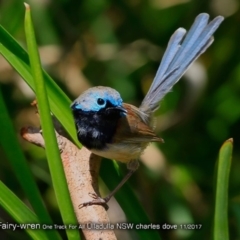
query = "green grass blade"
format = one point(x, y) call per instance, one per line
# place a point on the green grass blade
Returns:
point(59, 102)
point(18, 162)
point(52, 151)
point(221, 201)
point(20, 212)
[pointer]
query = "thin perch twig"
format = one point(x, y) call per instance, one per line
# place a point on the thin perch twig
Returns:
point(81, 169)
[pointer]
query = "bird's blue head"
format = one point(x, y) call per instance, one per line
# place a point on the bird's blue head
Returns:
point(96, 113)
point(100, 99)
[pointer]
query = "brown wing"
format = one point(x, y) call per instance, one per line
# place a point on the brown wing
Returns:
point(133, 129)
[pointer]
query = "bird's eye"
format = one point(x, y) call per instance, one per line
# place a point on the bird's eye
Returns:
point(100, 101)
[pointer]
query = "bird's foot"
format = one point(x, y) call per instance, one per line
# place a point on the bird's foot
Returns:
point(96, 201)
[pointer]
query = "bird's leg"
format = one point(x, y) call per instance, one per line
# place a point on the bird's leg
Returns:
point(132, 166)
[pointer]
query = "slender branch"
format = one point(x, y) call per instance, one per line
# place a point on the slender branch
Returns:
point(81, 169)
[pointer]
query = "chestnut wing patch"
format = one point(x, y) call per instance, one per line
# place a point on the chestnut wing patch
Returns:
point(132, 128)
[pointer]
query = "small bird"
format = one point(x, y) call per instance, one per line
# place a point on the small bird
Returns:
point(116, 130)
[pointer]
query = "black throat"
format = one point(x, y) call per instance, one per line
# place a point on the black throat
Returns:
point(96, 129)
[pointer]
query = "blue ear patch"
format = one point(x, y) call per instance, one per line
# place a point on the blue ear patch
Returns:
point(77, 106)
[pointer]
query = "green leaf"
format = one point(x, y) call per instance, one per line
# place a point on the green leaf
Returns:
point(52, 151)
point(21, 213)
point(9, 142)
point(59, 102)
point(221, 198)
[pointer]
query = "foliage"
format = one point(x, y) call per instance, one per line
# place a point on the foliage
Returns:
point(120, 44)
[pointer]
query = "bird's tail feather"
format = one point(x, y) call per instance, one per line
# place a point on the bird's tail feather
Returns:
point(179, 55)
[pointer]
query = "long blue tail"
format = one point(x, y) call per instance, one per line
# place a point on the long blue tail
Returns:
point(179, 55)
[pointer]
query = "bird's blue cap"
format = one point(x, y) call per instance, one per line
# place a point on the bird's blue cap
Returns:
point(90, 99)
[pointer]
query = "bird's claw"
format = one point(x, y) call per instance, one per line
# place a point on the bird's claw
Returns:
point(96, 201)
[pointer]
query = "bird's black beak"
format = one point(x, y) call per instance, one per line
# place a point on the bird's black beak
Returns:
point(117, 109)
point(72, 106)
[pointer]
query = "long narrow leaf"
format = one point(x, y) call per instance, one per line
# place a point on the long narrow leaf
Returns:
point(220, 231)
point(19, 59)
point(9, 142)
point(21, 213)
point(52, 151)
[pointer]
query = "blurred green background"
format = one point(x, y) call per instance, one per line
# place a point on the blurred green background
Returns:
point(120, 44)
